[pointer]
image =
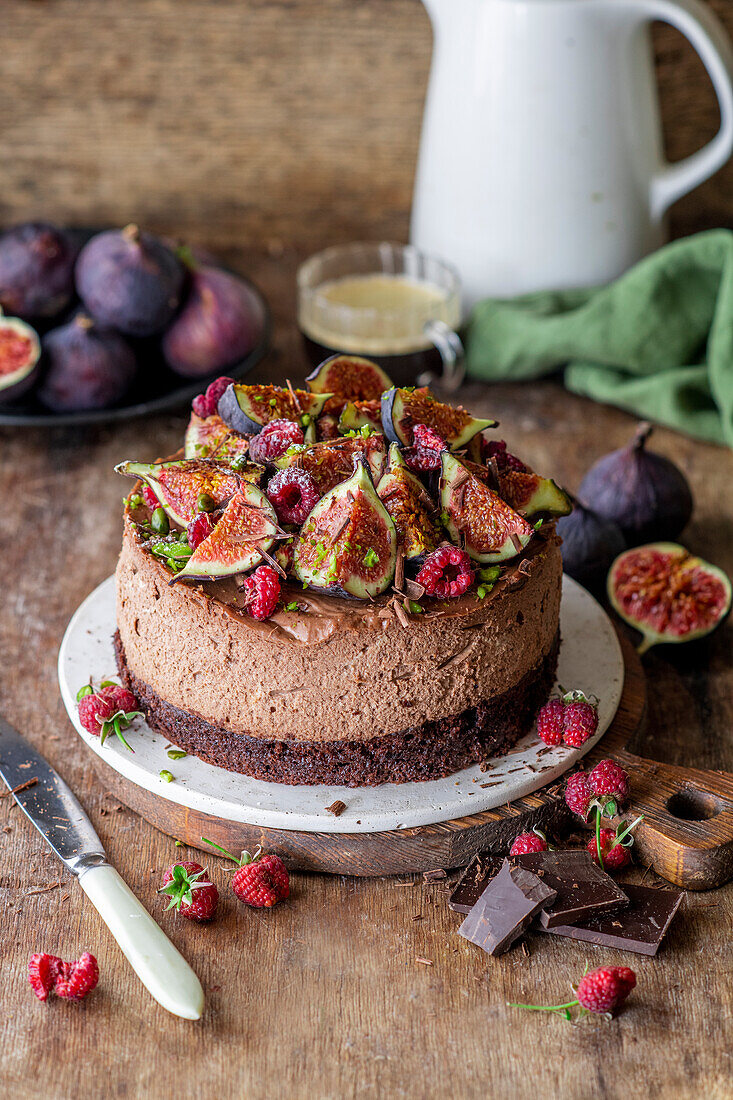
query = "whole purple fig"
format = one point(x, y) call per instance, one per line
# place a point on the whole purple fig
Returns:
point(87, 367)
point(220, 322)
point(36, 270)
point(590, 544)
point(129, 281)
point(643, 492)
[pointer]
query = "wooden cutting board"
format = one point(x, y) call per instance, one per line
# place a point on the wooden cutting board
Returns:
point(686, 835)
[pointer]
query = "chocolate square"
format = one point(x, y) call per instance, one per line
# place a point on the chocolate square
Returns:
point(505, 909)
point(469, 888)
point(583, 889)
point(640, 928)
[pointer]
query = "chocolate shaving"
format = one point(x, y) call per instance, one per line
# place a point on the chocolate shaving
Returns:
point(425, 962)
point(413, 590)
point(271, 562)
point(336, 808)
point(455, 658)
point(294, 396)
point(525, 566)
point(399, 576)
point(493, 468)
point(400, 613)
point(21, 787)
point(485, 766)
point(515, 541)
point(494, 783)
point(435, 876)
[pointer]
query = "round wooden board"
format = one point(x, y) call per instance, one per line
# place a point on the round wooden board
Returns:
point(449, 844)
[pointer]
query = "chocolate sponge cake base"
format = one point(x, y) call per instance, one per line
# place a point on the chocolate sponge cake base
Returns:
point(431, 751)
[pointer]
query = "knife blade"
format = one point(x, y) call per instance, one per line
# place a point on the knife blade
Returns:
point(59, 817)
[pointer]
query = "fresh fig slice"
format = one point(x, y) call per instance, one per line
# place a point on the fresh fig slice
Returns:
point(20, 351)
point(178, 485)
point(243, 535)
point(476, 517)
point(348, 544)
point(348, 378)
point(332, 461)
point(667, 594)
point(209, 435)
point(247, 409)
point(410, 506)
point(532, 495)
point(360, 414)
point(402, 409)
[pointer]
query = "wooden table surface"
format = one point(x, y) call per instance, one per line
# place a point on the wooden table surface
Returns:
point(325, 996)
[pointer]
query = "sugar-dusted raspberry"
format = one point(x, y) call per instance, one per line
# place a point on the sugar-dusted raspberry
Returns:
point(262, 591)
point(119, 697)
point(421, 459)
point(207, 403)
point(294, 494)
point(425, 437)
point(94, 711)
point(578, 794)
point(606, 989)
point(149, 497)
point(528, 842)
point(274, 440)
point(505, 460)
point(550, 722)
point(199, 529)
point(609, 780)
point(615, 856)
point(446, 573)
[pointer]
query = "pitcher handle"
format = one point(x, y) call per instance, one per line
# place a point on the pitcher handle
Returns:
point(709, 37)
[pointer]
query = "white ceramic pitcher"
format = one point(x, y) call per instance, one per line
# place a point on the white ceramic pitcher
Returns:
point(541, 162)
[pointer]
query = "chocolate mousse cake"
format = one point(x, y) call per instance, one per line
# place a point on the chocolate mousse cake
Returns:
point(350, 584)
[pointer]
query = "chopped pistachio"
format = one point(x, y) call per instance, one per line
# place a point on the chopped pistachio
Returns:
point(165, 774)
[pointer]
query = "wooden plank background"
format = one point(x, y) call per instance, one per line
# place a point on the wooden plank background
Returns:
point(266, 129)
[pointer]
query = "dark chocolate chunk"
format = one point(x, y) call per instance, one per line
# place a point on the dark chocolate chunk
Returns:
point(640, 928)
point(482, 868)
point(505, 909)
point(583, 889)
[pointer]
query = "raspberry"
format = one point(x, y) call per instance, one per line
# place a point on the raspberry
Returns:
point(496, 448)
point(199, 529)
point(274, 440)
point(119, 697)
point(293, 493)
point(42, 971)
point(94, 711)
point(426, 438)
point(606, 989)
point(550, 722)
point(446, 573)
point(580, 720)
point(615, 856)
point(421, 459)
point(262, 591)
point(528, 842)
point(609, 780)
point(193, 896)
point(260, 880)
point(206, 404)
point(76, 979)
point(149, 497)
point(578, 794)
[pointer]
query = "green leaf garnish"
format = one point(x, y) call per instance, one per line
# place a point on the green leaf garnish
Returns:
point(86, 690)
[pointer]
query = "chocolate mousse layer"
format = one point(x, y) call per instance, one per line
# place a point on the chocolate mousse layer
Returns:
point(340, 670)
point(434, 749)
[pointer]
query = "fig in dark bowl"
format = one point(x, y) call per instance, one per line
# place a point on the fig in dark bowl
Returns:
point(20, 351)
point(221, 321)
point(129, 281)
point(36, 271)
point(85, 367)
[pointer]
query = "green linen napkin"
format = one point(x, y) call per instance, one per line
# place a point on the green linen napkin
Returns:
point(658, 341)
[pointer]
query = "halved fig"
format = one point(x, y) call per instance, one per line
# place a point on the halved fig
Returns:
point(476, 517)
point(348, 544)
point(20, 351)
point(179, 485)
point(410, 506)
point(244, 533)
point(402, 409)
point(667, 594)
point(360, 414)
point(348, 378)
point(332, 461)
point(209, 434)
point(247, 409)
point(532, 495)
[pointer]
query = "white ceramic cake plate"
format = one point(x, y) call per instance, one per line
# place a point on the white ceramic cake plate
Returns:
point(590, 659)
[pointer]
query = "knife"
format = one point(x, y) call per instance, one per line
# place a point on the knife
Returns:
point(60, 819)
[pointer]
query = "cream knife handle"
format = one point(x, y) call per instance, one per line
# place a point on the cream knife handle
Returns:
point(159, 966)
